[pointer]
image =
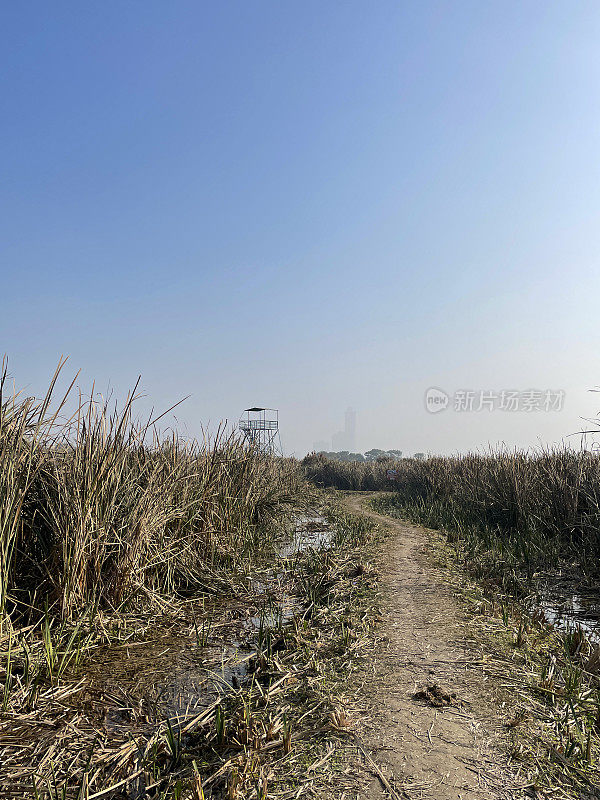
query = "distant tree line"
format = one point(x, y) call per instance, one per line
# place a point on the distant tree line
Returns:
point(369, 456)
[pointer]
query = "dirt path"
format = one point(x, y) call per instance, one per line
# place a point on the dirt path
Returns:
point(447, 753)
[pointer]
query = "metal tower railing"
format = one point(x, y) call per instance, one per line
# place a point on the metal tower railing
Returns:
point(260, 428)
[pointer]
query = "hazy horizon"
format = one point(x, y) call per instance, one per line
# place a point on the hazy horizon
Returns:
point(307, 207)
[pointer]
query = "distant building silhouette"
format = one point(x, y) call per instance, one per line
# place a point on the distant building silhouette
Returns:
point(350, 428)
point(346, 439)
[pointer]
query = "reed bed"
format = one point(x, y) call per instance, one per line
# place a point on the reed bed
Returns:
point(515, 513)
point(268, 719)
point(100, 511)
point(107, 528)
point(357, 476)
point(124, 554)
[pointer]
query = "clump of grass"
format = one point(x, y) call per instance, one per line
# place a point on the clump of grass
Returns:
point(26, 426)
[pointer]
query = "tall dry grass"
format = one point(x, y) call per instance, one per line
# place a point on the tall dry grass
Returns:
point(349, 475)
point(527, 510)
point(100, 510)
point(539, 507)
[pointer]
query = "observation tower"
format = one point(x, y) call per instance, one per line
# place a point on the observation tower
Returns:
point(260, 428)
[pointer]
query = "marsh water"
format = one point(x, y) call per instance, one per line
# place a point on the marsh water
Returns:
point(568, 610)
point(186, 669)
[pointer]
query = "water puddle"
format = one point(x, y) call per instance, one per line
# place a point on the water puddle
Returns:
point(310, 532)
point(569, 612)
point(171, 678)
point(186, 671)
point(274, 616)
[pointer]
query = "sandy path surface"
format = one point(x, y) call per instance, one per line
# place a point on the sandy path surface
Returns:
point(451, 752)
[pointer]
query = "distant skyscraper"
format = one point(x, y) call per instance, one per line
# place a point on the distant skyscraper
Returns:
point(350, 429)
point(346, 439)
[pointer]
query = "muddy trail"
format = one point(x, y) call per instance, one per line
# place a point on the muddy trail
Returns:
point(433, 726)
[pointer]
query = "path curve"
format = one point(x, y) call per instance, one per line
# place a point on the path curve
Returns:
point(449, 753)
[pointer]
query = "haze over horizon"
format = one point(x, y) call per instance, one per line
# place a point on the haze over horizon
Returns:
point(307, 206)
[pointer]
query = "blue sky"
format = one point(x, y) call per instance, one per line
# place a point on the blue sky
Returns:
point(307, 205)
